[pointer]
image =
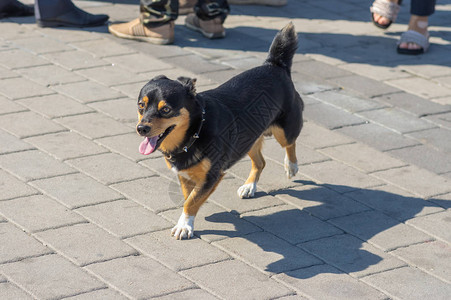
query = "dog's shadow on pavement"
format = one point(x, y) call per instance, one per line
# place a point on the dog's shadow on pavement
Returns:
point(312, 240)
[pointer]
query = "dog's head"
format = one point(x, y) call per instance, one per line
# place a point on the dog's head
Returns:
point(164, 108)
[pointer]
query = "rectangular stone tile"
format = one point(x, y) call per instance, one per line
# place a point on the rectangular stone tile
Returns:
point(365, 86)
point(226, 196)
point(306, 84)
point(85, 244)
point(409, 283)
point(94, 125)
point(50, 75)
point(123, 110)
point(380, 230)
point(349, 103)
point(66, 145)
point(317, 137)
point(103, 47)
point(377, 136)
point(8, 106)
point(267, 253)
point(331, 117)
point(87, 91)
point(75, 60)
point(394, 202)
point(421, 87)
point(189, 294)
point(320, 69)
point(138, 62)
point(196, 64)
point(352, 255)
point(124, 144)
point(110, 168)
point(38, 165)
point(37, 213)
point(416, 180)
point(155, 193)
point(11, 187)
point(16, 244)
point(173, 253)
point(131, 89)
point(124, 218)
point(339, 177)
point(426, 157)
point(108, 293)
point(281, 220)
point(436, 225)
point(76, 190)
point(232, 279)
point(212, 223)
point(318, 282)
point(320, 201)
point(26, 124)
point(11, 143)
point(50, 277)
point(158, 165)
point(396, 120)
point(363, 157)
point(41, 45)
point(111, 75)
point(54, 106)
point(437, 137)
point(140, 277)
point(10, 291)
point(373, 71)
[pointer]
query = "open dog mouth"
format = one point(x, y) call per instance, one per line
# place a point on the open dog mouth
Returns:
point(151, 144)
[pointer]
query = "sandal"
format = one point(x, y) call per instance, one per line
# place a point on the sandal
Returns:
point(385, 9)
point(412, 36)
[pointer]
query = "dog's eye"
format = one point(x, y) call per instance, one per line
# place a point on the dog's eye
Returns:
point(165, 110)
point(140, 105)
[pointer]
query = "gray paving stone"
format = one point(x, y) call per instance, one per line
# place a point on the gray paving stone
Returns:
point(140, 277)
point(50, 276)
point(8, 106)
point(138, 62)
point(363, 157)
point(436, 225)
point(442, 200)
point(267, 253)
point(5, 73)
point(11, 88)
point(380, 230)
point(110, 168)
point(339, 177)
point(11, 143)
point(94, 125)
point(421, 87)
point(319, 69)
point(212, 223)
point(107, 294)
point(425, 157)
point(124, 144)
point(131, 89)
point(13, 31)
point(111, 75)
point(196, 64)
point(306, 84)
point(349, 103)
point(173, 254)
point(377, 136)
point(10, 291)
point(75, 60)
point(50, 75)
point(396, 120)
point(291, 224)
point(66, 145)
point(16, 244)
point(16, 58)
point(317, 137)
point(394, 202)
point(39, 165)
point(437, 137)
point(123, 110)
point(232, 279)
point(243, 62)
point(363, 85)
point(320, 201)
point(432, 257)
point(37, 213)
point(352, 255)
point(53, 106)
point(103, 47)
point(41, 45)
point(413, 104)
point(189, 294)
point(442, 120)
point(416, 180)
point(157, 164)
point(87, 91)
point(123, 218)
point(85, 244)
point(76, 190)
point(155, 193)
point(11, 187)
point(331, 117)
point(409, 283)
point(318, 282)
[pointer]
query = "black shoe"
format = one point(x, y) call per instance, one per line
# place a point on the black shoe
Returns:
point(74, 17)
point(14, 8)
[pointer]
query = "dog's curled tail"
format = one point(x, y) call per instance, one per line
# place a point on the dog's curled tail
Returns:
point(283, 47)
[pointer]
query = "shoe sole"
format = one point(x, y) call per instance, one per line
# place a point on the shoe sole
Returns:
point(210, 35)
point(41, 23)
point(156, 41)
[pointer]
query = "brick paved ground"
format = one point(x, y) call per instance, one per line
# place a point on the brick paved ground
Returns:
point(84, 216)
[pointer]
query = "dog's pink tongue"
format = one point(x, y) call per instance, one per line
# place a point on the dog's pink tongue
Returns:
point(148, 145)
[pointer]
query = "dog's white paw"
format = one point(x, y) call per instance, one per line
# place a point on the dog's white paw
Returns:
point(247, 190)
point(184, 228)
point(290, 168)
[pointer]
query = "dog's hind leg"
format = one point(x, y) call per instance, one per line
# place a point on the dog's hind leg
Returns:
point(258, 163)
point(290, 161)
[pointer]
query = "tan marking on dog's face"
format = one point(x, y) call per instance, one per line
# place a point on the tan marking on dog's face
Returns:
point(161, 104)
point(142, 105)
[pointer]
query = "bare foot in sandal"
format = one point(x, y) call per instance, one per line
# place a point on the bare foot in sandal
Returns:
point(420, 25)
point(384, 12)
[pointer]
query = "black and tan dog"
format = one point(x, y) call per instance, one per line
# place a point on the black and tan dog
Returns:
point(202, 135)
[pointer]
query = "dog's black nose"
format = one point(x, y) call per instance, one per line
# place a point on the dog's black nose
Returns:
point(143, 129)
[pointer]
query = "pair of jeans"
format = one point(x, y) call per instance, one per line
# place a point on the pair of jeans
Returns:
point(422, 7)
point(157, 12)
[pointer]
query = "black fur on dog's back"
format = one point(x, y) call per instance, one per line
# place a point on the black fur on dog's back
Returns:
point(283, 48)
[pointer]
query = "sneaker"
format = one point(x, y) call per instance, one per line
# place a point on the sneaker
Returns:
point(211, 29)
point(135, 30)
point(186, 6)
point(259, 2)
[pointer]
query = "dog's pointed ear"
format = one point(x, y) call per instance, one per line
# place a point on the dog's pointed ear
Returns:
point(189, 83)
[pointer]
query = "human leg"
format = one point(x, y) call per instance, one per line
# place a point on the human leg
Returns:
point(14, 8)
